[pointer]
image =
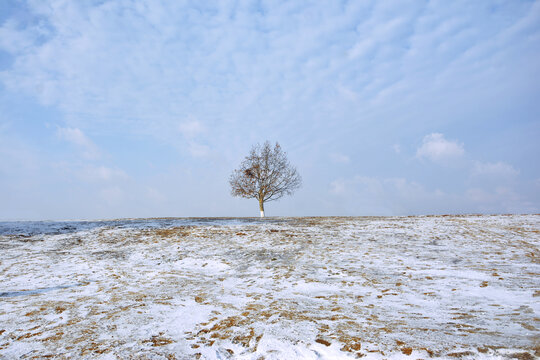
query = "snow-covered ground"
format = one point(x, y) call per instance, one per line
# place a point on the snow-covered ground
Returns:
point(282, 288)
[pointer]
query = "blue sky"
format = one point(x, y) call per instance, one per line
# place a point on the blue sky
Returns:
point(143, 108)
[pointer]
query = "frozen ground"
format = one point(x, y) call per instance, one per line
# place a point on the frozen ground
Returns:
point(314, 288)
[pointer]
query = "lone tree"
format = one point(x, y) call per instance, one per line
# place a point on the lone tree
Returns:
point(265, 174)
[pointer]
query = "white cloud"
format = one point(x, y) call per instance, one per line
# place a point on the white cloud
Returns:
point(362, 47)
point(388, 196)
point(501, 199)
point(340, 158)
point(112, 195)
point(12, 39)
point(436, 148)
point(198, 150)
point(498, 169)
point(191, 128)
point(155, 196)
point(15, 155)
point(78, 138)
point(338, 187)
point(399, 196)
point(397, 148)
point(102, 174)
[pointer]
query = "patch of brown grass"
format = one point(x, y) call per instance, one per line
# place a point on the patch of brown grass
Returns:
point(29, 335)
point(32, 313)
point(406, 350)
point(322, 341)
point(246, 339)
point(521, 356)
point(179, 231)
point(158, 340)
point(54, 337)
point(460, 354)
point(351, 343)
point(94, 348)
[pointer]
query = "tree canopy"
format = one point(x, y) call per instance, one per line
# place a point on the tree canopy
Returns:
point(265, 174)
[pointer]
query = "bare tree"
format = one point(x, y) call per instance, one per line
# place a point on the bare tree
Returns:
point(265, 174)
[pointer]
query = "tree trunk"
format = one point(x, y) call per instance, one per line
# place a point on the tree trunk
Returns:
point(261, 207)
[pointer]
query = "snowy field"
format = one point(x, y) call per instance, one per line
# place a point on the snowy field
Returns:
point(283, 288)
